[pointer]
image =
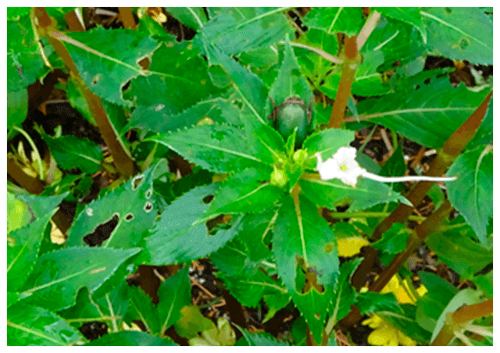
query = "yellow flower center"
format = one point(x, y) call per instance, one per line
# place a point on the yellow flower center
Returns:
point(343, 167)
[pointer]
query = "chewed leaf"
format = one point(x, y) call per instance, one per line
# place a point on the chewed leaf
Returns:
point(307, 260)
point(54, 285)
point(120, 218)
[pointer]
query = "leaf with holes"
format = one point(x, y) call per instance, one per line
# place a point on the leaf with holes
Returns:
point(306, 256)
point(348, 20)
point(182, 235)
point(106, 68)
point(174, 294)
point(472, 193)
point(218, 148)
point(34, 326)
point(236, 30)
point(424, 116)
point(119, 219)
point(71, 152)
point(332, 193)
point(248, 191)
point(54, 285)
point(459, 33)
point(177, 79)
point(23, 245)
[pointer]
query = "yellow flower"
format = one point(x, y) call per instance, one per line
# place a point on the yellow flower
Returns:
point(402, 291)
point(386, 335)
point(348, 247)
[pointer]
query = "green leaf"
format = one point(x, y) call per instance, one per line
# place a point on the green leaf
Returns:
point(431, 305)
point(192, 17)
point(467, 296)
point(371, 302)
point(54, 285)
point(348, 20)
point(23, 245)
point(218, 148)
point(181, 236)
point(70, 152)
point(314, 66)
point(367, 193)
point(33, 326)
point(24, 66)
point(106, 68)
point(18, 213)
point(141, 308)
point(177, 79)
point(485, 284)
point(248, 191)
point(130, 207)
point(472, 193)
point(459, 33)
point(394, 240)
point(409, 15)
point(290, 81)
point(326, 142)
point(250, 88)
point(304, 247)
point(428, 115)
point(259, 339)
point(131, 338)
point(222, 335)
point(254, 230)
point(344, 295)
point(456, 248)
point(192, 322)
point(174, 294)
point(274, 303)
point(236, 30)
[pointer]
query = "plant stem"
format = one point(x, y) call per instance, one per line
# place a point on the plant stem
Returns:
point(351, 60)
point(124, 163)
point(322, 53)
point(464, 314)
point(127, 17)
point(35, 150)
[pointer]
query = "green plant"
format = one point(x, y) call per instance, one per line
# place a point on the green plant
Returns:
point(194, 169)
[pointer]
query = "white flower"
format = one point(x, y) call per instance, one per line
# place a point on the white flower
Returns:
point(341, 166)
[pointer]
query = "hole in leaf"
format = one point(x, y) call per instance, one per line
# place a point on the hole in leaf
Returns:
point(317, 316)
point(10, 241)
point(416, 87)
point(207, 199)
point(148, 207)
point(149, 193)
point(129, 217)
point(427, 81)
point(136, 182)
point(89, 211)
point(102, 232)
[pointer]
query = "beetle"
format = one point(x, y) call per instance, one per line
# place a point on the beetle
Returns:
point(292, 113)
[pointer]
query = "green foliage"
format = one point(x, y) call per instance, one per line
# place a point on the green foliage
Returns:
point(473, 195)
point(221, 130)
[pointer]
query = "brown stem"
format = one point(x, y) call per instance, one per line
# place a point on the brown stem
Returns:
point(351, 60)
point(464, 314)
point(446, 155)
point(346, 80)
point(124, 163)
point(73, 22)
point(127, 17)
point(422, 231)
